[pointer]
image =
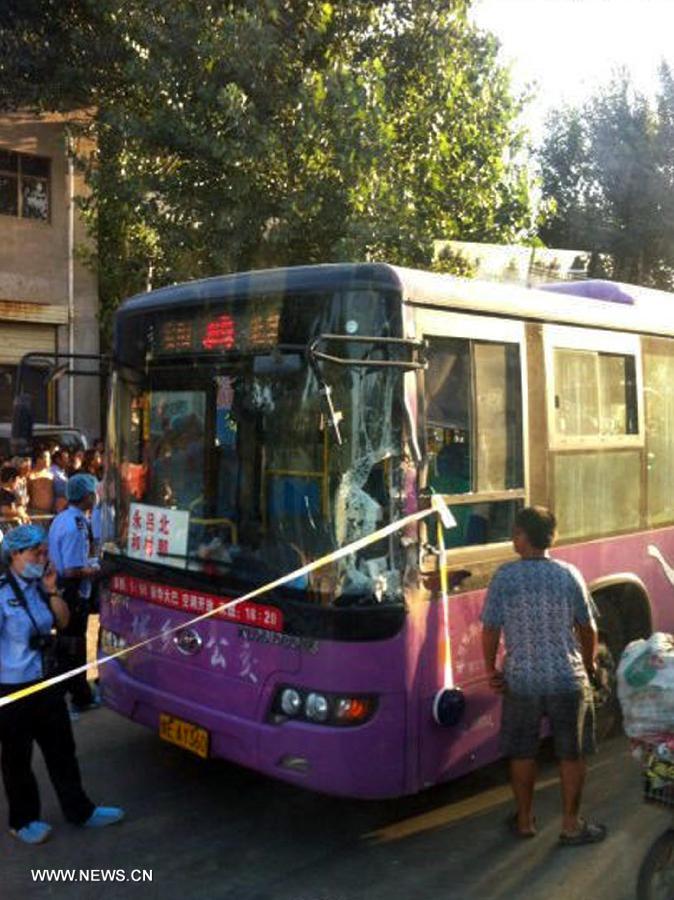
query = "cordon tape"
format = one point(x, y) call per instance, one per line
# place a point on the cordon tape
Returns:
point(438, 506)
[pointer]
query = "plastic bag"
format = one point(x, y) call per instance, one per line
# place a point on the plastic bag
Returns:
point(646, 686)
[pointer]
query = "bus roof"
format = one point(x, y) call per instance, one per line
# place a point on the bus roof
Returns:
point(598, 304)
point(300, 279)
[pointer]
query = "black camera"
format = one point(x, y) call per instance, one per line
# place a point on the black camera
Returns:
point(47, 645)
point(42, 642)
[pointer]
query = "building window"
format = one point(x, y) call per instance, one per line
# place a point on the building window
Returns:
point(24, 186)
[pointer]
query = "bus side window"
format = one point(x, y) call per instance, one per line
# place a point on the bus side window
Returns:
point(448, 412)
point(474, 434)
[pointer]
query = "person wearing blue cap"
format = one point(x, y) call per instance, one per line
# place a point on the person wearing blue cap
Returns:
point(30, 609)
point(70, 551)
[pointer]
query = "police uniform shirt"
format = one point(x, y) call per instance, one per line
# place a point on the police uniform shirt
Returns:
point(69, 544)
point(18, 663)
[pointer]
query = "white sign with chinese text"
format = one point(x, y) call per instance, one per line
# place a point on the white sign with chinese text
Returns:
point(158, 535)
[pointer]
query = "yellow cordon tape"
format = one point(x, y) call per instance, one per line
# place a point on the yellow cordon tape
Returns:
point(438, 506)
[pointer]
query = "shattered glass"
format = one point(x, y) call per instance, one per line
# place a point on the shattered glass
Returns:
point(267, 486)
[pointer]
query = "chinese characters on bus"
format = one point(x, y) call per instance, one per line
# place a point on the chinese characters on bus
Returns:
point(158, 534)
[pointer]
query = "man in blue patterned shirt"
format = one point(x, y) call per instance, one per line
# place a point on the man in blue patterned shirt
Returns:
point(542, 608)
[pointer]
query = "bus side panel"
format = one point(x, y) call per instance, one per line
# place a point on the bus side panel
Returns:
point(649, 555)
point(450, 751)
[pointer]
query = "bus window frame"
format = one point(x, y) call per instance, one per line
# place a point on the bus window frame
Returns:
point(662, 346)
point(438, 324)
point(562, 337)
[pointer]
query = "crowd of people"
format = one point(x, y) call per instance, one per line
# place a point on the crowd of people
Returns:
point(50, 530)
point(45, 490)
point(33, 489)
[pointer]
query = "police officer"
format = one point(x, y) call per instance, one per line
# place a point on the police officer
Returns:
point(70, 551)
point(30, 607)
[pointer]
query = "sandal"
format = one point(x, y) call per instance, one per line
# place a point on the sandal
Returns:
point(590, 833)
point(514, 828)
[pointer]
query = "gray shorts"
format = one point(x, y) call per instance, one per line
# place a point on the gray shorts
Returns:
point(571, 717)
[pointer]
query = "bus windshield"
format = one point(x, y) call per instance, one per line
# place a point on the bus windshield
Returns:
point(226, 464)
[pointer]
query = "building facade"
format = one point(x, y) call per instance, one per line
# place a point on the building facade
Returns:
point(48, 297)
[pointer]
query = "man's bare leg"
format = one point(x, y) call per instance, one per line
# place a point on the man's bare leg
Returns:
point(523, 779)
point(572, 773)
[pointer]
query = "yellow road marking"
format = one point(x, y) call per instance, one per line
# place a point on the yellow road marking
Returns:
point(455, 812)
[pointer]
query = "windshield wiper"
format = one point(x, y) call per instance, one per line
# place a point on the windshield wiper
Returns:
point(334, 416)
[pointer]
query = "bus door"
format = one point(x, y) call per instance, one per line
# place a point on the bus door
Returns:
point(471, 423)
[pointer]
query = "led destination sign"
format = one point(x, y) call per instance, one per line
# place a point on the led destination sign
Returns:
point(217, 331)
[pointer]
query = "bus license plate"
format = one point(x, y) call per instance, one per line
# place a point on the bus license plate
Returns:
point(184, 734)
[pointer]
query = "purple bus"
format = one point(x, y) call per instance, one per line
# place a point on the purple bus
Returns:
point(261, 421)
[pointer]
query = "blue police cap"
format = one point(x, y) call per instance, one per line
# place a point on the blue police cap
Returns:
point(79, 486)
point(22, 538)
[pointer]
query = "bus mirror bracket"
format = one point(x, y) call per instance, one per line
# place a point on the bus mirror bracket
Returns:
point(317, 356)
point(414, 346)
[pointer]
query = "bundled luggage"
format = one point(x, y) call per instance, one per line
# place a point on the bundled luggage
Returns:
point(646, 686)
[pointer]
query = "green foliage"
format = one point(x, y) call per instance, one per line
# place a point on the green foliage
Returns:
point(453, 262)
point(609, 167)
point(268, 132)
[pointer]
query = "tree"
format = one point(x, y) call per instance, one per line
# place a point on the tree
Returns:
point(609, 167)
point(664, 145)
point(245, 133)
point(566, 177)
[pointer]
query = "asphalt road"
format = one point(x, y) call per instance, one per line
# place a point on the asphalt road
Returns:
point(212, 830)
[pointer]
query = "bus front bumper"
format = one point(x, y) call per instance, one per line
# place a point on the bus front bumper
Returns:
point(366, 761)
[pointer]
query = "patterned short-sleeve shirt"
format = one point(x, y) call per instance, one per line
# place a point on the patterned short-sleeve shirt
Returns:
point(537, 602)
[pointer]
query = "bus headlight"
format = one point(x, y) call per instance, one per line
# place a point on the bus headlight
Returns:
point(291, 702)
point(317, 708)
point(320, 707)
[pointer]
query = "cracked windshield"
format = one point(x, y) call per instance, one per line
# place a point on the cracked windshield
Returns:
point(228, 462)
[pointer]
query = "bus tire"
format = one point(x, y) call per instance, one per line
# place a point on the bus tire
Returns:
point(656, 873)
